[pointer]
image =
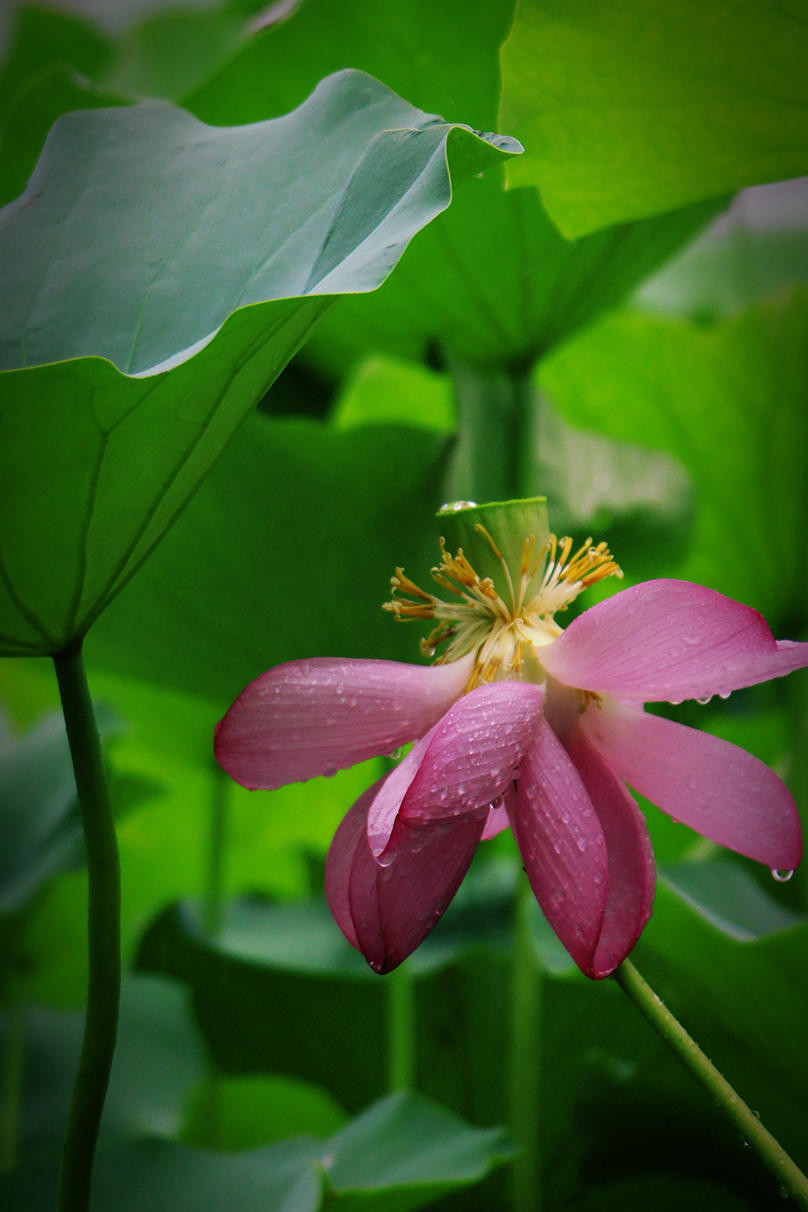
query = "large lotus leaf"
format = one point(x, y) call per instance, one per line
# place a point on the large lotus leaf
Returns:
point(29, 120)
point(412, 46)
point(405, 1151)
point(632, 112)
point(401, 1153)
point(41, 40)
point(594, 1044)
point(39, 815)
point(497, 284)
point(166, 845)
point(253, 1111)
point(758, 247)
point(729, 403)
point(51, 61)
point(59, 61)
point(143, 238)
point(168, 51)
point(149, 1173)
point(158, 1061)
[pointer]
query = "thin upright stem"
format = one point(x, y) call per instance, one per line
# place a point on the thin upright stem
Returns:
point(401, 1023)
point(213, 897)
point(770, 1151)
point(213, 919)
point(104, 945)
point(494, 457)
point(525, 1058)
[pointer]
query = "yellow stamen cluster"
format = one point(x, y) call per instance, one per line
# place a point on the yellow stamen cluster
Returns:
point(505, 634)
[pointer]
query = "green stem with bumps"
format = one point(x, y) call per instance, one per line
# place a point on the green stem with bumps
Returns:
point(770, 1151)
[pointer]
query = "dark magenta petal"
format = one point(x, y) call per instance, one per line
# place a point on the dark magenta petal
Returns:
point(308, 718)
point(669, 640)
point(716, 788)
point(631, 868)
point(387, 910)
point(351, 833)
point(562, 845)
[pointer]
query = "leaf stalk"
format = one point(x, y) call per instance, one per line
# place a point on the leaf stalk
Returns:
point(104, 935)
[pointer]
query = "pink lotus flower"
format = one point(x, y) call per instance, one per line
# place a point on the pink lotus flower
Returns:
point(527, 725)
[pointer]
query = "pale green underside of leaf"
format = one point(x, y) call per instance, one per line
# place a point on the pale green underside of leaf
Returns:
point(493, 282)
point(629, 111)
point(195, 260)
point(142, 229)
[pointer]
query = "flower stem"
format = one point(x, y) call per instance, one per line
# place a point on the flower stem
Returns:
point(401, 1035)
point(525, 1059)
point(494, 457)
point(690, 1054)
point(104, 914)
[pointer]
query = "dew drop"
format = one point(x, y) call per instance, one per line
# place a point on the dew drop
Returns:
point(456, 506)
point(398, 754)
point(704, 700)
point(781, 874)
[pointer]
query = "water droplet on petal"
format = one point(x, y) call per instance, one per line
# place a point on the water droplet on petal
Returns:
point(704, 700)
point(781, 874)
point(398, 754)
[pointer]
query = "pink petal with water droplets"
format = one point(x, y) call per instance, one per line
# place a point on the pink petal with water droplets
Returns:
point(387, 910)
point(463, 764)
point(308, 718)
point(716, 788)
point(632, 870)
point(562, 845)
point(669, 640)
point(385, 806)
point(470, 759)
